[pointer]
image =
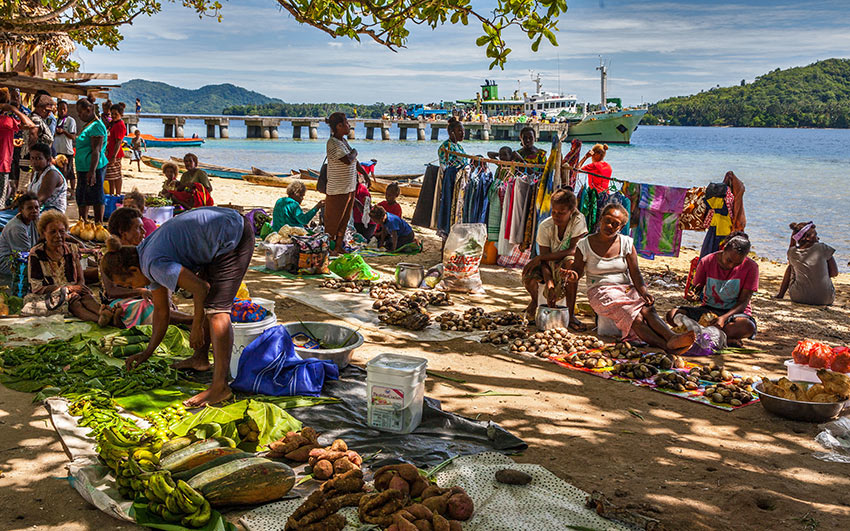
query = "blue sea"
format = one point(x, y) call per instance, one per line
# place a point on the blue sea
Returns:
point(791, 175)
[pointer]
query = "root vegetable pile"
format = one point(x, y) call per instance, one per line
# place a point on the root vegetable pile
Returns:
point(554, 342)
point(503, 337)
point(384, 290)
point(623, 350)
point(634, 370)
point(712, 373)
point(591, 360)
point(404, 478)
point(295, 446)
point(728, 393)
point(508, 318)
point(409, 318)
point(333, 460)
point(347, 286)
point(663, 361)
point(319, 510)
point(677, 381)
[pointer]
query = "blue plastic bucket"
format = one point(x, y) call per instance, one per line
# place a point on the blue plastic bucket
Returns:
point(110, 203)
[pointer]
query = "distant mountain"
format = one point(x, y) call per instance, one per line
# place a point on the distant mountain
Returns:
point(817, 95)
point(165, 98)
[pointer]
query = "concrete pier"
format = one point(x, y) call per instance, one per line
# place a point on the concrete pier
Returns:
point(404, 125)
point(173, 126)
point(221, 123)
point(263, 127)
point(371, 125)
point(132, 123)
point(312, 124)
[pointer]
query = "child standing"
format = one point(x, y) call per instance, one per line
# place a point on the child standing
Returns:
point(395, 232)
point(138, 144)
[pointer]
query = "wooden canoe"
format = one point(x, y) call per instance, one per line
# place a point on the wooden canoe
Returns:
point(277, 182)
point(409, 189)
point(214, 170)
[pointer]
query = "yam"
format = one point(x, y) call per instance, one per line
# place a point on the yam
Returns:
point(343, 465)
point(433, 490)
point(460, 506)
point(323, 470)
point(300, 455)
point(418, 487)
point(423, 525)
point(419, 511)
point(338, 446)
point(437, 504)
point(398, 483)
point(354, 457)
point(454, 525)
point(440, 523)
point(509, 476)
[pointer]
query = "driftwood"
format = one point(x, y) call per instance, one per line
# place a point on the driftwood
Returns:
point(604, 508)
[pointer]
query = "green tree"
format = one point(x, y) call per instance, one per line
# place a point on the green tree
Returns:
point(92, 23)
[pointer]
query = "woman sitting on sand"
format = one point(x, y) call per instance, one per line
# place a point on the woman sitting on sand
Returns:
point(54, 265)
point(811, 267)
point(727, 280)
point(206, 252)
point(615, 286)
point(557, 237)
point(287, 210)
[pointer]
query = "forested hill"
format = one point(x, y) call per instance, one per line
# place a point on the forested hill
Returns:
point(817, 95)
point(308, 109)
point(163, 98)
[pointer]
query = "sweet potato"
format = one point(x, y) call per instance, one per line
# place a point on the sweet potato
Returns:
point(423, 525)
point(418, 487)
point(403, 520)
point(454, 525)
point(398, 483)
point(440, 523)
point(460, 506)
point(343, 465)
point(510, 476)
point(310, 434)
point(323, 469)
point(338, 446)
point(419, 511)
point(433, 490)
point(354, 457)
point(301, 454)
point(437, 504)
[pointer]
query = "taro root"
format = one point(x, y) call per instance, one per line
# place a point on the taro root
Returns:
point(509, 476)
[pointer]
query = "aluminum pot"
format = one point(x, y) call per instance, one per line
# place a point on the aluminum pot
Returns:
point(409, 275)
point(548, 318)
point(797, 410)
point(327, 333)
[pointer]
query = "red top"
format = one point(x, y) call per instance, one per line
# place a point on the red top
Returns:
point(391, 209)
point(149, 225)
point(8, 128)
point(117, 132)
point(602, 168)
point(360, 196)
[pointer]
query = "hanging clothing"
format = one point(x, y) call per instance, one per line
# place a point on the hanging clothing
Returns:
point(444, 204)
point(522, 191)
point(549, 182)
point(632, 191)
point(494, 211)
point(530, 220)
point(739, 218)
point(438, 197)
point(719, 223)
point(657, 231)
point(589, 206)
point(694, 210)
point(569, 175)
point(425, 203)
point(504, 245)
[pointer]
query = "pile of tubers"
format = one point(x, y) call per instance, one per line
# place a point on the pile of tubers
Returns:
point(319, 510)
point(295, 446)
point(508, 318)
point(677, 381)
point(383, 290)
point(347, 286)
point(503, 337)
point(728, 393)
point(634, 370)
point(333, 460)
point(591, 360)
point(622, 351)
point(409, 318)
point(405, 478)
point(664, 361)
point(712, 373)
point(555, 342)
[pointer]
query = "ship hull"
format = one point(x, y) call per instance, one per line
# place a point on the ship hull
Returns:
point(609, 128)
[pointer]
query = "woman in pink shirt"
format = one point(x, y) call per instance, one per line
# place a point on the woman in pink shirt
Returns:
point(598, 166)
point(136, 200)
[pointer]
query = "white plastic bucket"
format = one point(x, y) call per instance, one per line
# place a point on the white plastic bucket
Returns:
point(265, 303)
point(159, 214)
point(243, 334)
point(395, 392)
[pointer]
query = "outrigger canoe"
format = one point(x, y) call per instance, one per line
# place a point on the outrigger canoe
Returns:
point(277, 182)
point(152, 141)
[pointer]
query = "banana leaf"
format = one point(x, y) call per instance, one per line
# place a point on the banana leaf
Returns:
point(220, 415)
point(144, 517)
point(141, 404)
point(290, 402)
point(273, 421)
point(22, 386)
point(175, 343)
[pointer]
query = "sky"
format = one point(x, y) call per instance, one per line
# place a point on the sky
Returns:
point(654, 50)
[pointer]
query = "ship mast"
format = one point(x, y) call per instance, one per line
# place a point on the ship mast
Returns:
point(603, 70)
point(536, 80)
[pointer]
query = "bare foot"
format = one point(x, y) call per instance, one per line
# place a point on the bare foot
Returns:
point(211, 396)
point(680, 341)
point(194, 363)
point(106, 316)
point(576, 325)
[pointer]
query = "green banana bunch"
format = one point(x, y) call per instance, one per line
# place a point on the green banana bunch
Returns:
point(174, 502)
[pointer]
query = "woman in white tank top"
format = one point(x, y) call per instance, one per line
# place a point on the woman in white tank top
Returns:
point(615, 287)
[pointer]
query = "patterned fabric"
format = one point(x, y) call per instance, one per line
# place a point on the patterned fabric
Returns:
point(246, 311)
point(133, 312)
point(45, 272)
point(588, 204)
point(450, 160)
point(515, 258)
point(657, 231)
point(571, 160)
point(719, 224)
point(549, 182)
point(694, 211)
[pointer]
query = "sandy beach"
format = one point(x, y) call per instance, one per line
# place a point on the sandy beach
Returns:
point(685, 464)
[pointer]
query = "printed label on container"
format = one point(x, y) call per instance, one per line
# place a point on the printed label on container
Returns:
point(387, 404)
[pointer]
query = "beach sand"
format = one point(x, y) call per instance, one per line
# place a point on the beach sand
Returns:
point(688, 465)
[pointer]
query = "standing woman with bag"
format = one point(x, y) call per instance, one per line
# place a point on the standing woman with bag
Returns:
point(342, 180)
point(90, 162)
point(206, 251)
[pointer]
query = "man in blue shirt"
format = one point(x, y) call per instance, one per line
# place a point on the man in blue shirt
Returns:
point(395, 232)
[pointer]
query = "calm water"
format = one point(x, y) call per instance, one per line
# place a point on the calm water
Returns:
point(790, 174)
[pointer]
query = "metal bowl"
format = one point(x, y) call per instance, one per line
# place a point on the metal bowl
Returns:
point(548, 318)
point(327, 333)
point(797, 410)
point(409, 275)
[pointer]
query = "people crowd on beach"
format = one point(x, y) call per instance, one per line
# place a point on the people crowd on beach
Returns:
point(204, 251)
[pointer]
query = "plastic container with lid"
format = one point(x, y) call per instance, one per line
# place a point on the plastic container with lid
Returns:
point(395, 392)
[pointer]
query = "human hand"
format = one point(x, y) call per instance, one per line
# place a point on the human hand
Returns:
point(146, 294)
point(648, 298)
point(196, 337)
point(320, 204)
point(569, 275)
point(720, 322)
point(91, 179)
point(135, 360)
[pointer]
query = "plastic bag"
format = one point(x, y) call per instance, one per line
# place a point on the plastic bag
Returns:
point(840, 359)
point(242, 292)
point(462, 258)
point(353, 267)
point(835, 437)
point(709, 339)
point(312, 254)
point(820, 356)
point(281, 256)
point(270, 366)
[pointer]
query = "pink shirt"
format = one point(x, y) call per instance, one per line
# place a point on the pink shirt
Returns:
point(149, 225)
point(723, 286)
point(8, 128)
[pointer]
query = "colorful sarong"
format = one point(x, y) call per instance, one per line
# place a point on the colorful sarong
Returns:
point(133, 312)
point(619, 302)
point(657, 231)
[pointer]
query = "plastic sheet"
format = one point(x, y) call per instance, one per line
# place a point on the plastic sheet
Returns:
point(835, 437)
point(440, 435)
